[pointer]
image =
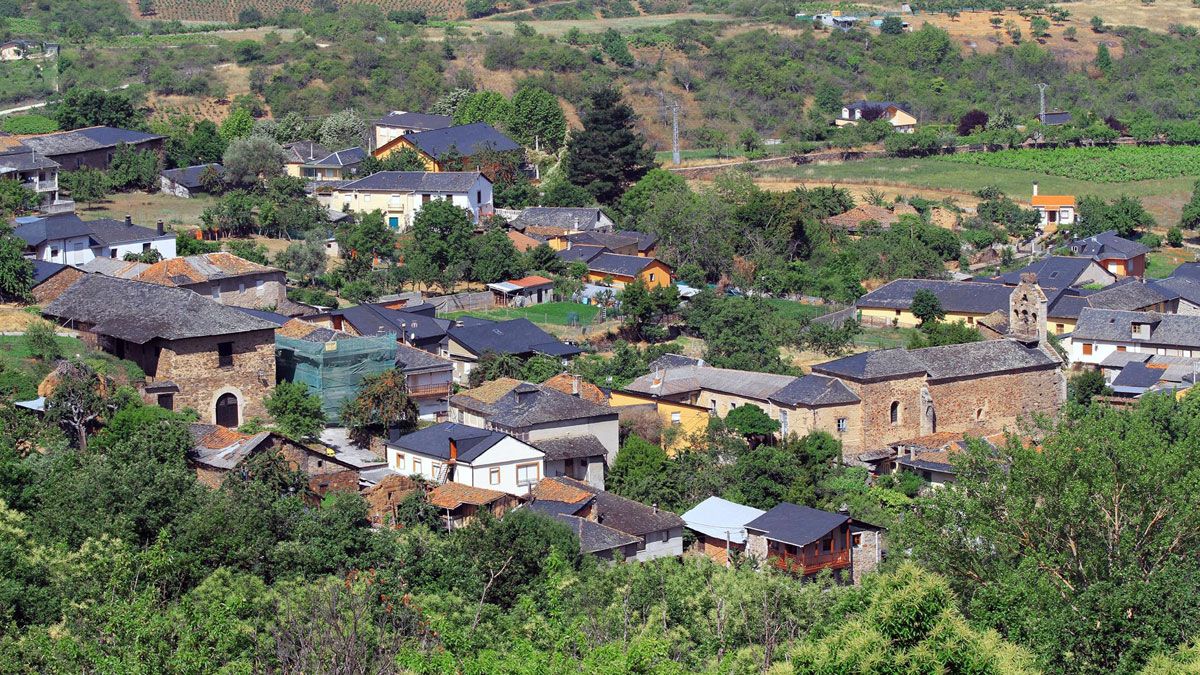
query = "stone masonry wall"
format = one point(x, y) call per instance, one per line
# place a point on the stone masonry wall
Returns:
point(877, 398)
point(1002, 399)
point(193, 365)
point(866, 557)
point(242, 292)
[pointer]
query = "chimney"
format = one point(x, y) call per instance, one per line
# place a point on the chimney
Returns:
point(393, 434)
point(575, 385)
point(453, 451)
point(128, 220)
point(655, 506)
point(658, 378)
point(1035, 188)
point(162, 229)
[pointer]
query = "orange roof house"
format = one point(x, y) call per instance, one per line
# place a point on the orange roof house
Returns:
point(1053, 210)
point(523, 242)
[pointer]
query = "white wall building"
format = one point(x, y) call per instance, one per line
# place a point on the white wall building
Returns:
point(449, 452)
point(67, 239)
point(399, 195)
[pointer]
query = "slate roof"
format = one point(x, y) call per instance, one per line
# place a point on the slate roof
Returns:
point(413, 360)
point(611, 510)
point(674, 361)
point(303, 152)
point(1182, 286)
point(1054, 118)
point(1107, 246)
point(721, 518)
point(954, 296)
point(466, 139)
point(371, 319)
point(610, 240)
point(111, 267)
point(876, 106)
point(189, 176)
point(20, 157)
point(1136, 376)
point(621, 265)
point(273, 317)
point(85, 140)
point(568, 218)
point(411, 120)
point(195, 269)
point(581, 253)
point(139, 312)
point(1055, 271)
point(416, 181)
point(1130, 294)
point(1188, 270)
point(594, 537)
point(43, 270)
point(815, 390)
point(513, 404)
point(434, 441)
point(796, 525)
point(1108, 325)
point(970, 359)
point(222, 448)
point(516, 336)
point(571, 447)
point(37, 230)
point(685, 379)
point(340, 158)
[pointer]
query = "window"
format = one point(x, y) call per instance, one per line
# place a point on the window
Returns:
point(242, 287)
point(479, 196)
point(320, 463)
point(527, 474)
point(435, 467)
point(53, 253)
point(227, 414)
point(856, 540)
point(224, 354)
point(1120, 348)
point(842, 425)
point(980, 415)
point(166, 401)
point(897, 312)
point(258, 285)
point(394, 222)
point(1059, 328)
point(827, 545)
point(970, 321)
point(894, 414)
point(676, 419)
point(1087, 349)
point(112, 253)
point(416, 465)
point(652, 276)
point(398, 461)
point(712, 405)
point(145, 247)
point(494, 476)
point(216, 290)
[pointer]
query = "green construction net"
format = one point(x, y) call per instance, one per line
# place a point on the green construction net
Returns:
point(333, 370)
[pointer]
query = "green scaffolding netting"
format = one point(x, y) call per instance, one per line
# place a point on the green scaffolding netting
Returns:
point(333, 370)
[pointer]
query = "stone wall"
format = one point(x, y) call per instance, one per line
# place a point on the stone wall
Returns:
point(192, 364)
point(383, 497)
point(53, 287)
point(803, 421)
point(756, 547)
point(877, 429)
point(714, 548)
point(243, 291)
point(867, 556)
point(994, 402)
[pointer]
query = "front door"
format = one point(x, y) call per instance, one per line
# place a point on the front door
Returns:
point(227, 411)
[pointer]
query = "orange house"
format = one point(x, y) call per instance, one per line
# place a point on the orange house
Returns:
point(623, 269)
point(465, 141)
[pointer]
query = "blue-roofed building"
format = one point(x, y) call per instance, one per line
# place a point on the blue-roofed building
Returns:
point(314, 162)
point(401, 123)
point(465, 141)
point(456, 453)
point(68, 239)
point(92, 147)
point(1059, 271)
point(189, 180)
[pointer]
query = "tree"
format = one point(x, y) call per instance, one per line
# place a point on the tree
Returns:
point(1190, 218)
point(253, 251)
point(926, 307)
point(345, 129)
point(641, 196)
point(892, 25)
point(249, 161)
point(305, 259)
point(16, 199)
point(608, 155)
point(364, 242)
point(740, 333)
point(233, 214)
point(1039, 26)
point(495, 365)
point(297, 411)
point(382, 404)
point(970, 121)
point(641, 472)
point(1097, 25)
point(496, 258)
point(1086, 386)
point(537, 119)
point(16, 271)
point(749, 140)
point(239, 124)
point(132, 169)
point(750, 421)
point(441, 248)
point(1103, 59)
point(41, 341)
point(78, 399)
point(81, 107)
point(86, 185)
point(617, 49)
point(1175, 237)
point(484, 106)
point(1126, 215)
point(542, 258)
point(643, 307)
point(940, 333)
point(830, 340)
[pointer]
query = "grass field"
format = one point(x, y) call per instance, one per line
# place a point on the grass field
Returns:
point(554, 313)
point(146, 208)
point(791, 309)
point(1162, 262)
point(1120, 164)
point(1164, 198)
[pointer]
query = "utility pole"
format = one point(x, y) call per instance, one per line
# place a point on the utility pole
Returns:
point(675, 133)
point(1042, 100)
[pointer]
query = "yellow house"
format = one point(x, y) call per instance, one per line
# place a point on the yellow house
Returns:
point(968, 302)
point(894, 113)
point(312, 161)
point(399, 195)
point(465, 141)
point(681, 421)
point(623, 269)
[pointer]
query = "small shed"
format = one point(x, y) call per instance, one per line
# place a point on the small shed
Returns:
point(531, 290)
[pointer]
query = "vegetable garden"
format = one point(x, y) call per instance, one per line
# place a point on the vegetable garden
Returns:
point(1119, 164)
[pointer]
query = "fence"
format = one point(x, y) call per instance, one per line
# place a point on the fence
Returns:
point(462, 302)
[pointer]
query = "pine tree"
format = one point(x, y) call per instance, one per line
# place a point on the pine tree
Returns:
point(608, 155)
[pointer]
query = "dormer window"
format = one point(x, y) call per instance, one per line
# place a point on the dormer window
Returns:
point(1141, 331)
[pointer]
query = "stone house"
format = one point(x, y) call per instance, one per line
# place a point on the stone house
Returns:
point(804, 541)
point(384, 496)
point(227, 279)
point(658, 532)
point(196, 353)
point(188, 181)
point(465, 141)
point(467, 342)
point(562, 220)
point(51, 279)
point(92, 147)
point(461, 504)
point(720, 527)
point(449, 452)
point(579, 438)
point(219, 451)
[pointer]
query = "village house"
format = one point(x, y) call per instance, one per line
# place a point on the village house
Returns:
point(399, 195)
point(1054, 118)
point(805, 541)
point(1141, 296)
point(91, 147)
point(579, 438)
point(51, 279)
point(862, 216)
point(605, 543)
point(447, 148)
point(227, 279)
point(413, 325)
point(1118, 255)
point(1132, 374)
point(218, 451)
point(1054, 211)
point(618, 241)
point(659, 532)
point(615, 270)
point(196, 353)
point(66, 238)
point(31, 169)
point(449, 452)
point(188, 181)
point(816, 403)
point(314, 162)
point(523, 292)
point(720, 527)
point(331, 364)
point(1059, 271)
point(680, 421)
point(384, 495)
point(428, 380)
point(1183, 282)
point(460, 504)
point(719, 390)
point(1101, 332)
point(401, 123)
point(896, 114)
point(561, 220)
point(466, 344)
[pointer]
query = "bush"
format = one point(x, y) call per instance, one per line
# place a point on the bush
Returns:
point(41, 341)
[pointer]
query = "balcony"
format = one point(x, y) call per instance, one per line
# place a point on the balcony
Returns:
point(811, 564)
point(49, 185)
point(429, 390)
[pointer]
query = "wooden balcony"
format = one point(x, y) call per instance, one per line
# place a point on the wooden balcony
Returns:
point(811, 564)
point(430, 390)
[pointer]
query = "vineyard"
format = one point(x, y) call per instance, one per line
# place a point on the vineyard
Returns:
point(1120, 164)
point(227, 10)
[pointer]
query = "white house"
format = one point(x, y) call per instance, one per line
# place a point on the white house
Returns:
point(67, 239)
point(449, 452)
point(399, 195)
point(1058, 210)
point(1103, 332)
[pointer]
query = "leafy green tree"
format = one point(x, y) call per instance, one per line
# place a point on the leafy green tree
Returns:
point(939, 333)
point(641, 472)
point(617, 49)
point(892, 25)
point(382, 403)
point(305, 259)
point(1190, 218)
point(403, 159)
point(233, 214)
point(1125, 214)
point(542, 258)
point(1174, 237)
point(253, 251)
point(558, 191)
point(80, 107)
point(345, 129)
point(360, 291)
point(239, 124)
point(537, 119)
point(643, 307)
point(134, 169)
point(830, 340)
point(41, 341)
point(16, 271)
point(751, 422)
point(16, 199)
point(496, 258)
point(1104, 61)
point(297, 411)
point(608, 155)
point(484, 106)
point(495, 365)
point(364, 242)
point(249, 161)
point(1086, 386)
point(642, 195)
point(926, 307)
point(86, 185)
point(1039, 26)
point(441, 248)
point(740, 333)
point(187, 244)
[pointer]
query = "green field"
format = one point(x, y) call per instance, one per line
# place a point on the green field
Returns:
point(556, 313)
point(790, 309)
point(1119, 164)
point(1161, 263)
point(20, 80)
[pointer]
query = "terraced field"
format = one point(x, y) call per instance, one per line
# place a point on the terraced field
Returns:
point(227, 10)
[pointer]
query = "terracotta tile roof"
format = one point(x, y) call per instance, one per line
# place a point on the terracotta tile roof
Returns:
point(522, 241)
point(1053, 200)
point(545, 230)
point(936, 440)
point(855, 217)
point(526, 282)
point(560, 491)
point(490, 392)
point(198, 268)
point(565, 382)
point(221, 437)
point(453, 495)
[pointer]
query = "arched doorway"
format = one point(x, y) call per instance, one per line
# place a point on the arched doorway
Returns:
point(227, 411)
